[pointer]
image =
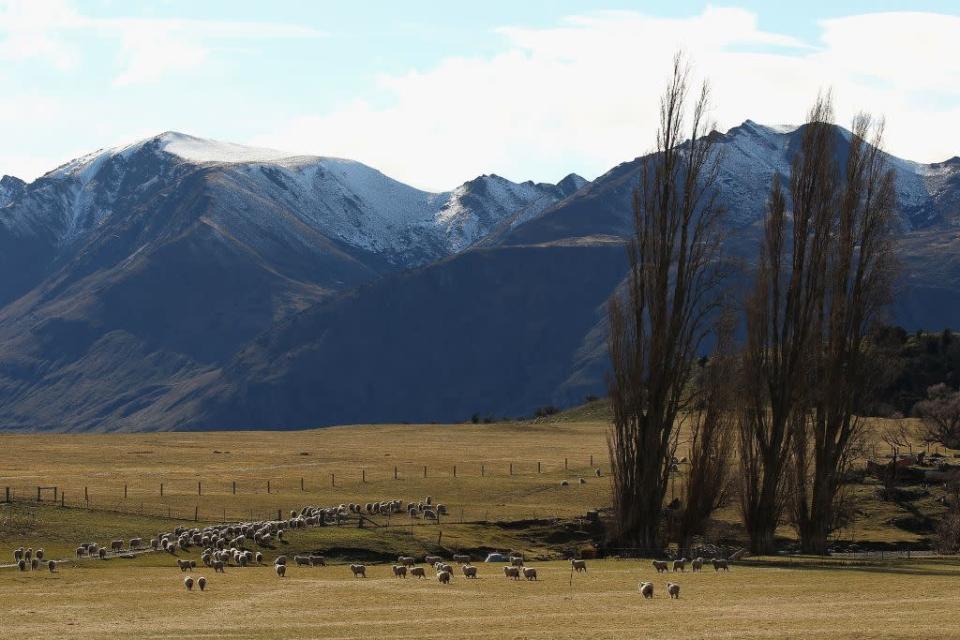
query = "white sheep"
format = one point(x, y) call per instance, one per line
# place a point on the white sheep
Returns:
point(512, 572)
point(52, 565)
point(418, 572)
point(696, 564)
point(680, 565)
point(443, 577)
point(183, 564)
point(18, 554)
point(579, 565)
point(281, 570)
point(34, 564)
point(358, 570)
point(431, 560)
point(302, 560)
point(202, 583)
point(646, 589)
point(660, 566)
point(719, 563)
point(22, 565)
point(674, 590)
point(39, 554)
point(469, 571)
point(188, 583)
point(407, 560)
point(462, 558)
point(400, 570)
point(318, 561)
point(529, 573)
point(280, 560)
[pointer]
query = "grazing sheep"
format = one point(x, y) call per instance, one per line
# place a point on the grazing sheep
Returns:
point(598, 472)
point(52, 565)
point(469, 571)
point(516, 561)
point(581, 481)
point(102, 553)
point(39, 554)
point(135, 543)
point(280, 560)
point(719, 563)
point(34, 564)
point(318, 561)
point(680, 565)
point(564, 483)
point(529, 573)
point(696, 564)
point(258, 557)
point(28, 554)
point(418, 572)
point(202, 583)
point(646, 589)
point(660, 566)
point(400, 570)
point(407, 560)
point(674, 590)
point(22, 565)
point(188, 583)
point(183, 564)
point(512, 572)
point(359, 570)
point(81, 551)
point(116, 545)
point(302, 560)
point(579, 565)
point(432, 559)
point(443, 577)
point(218, 566)
point(18, 554)
point(462, 558)
point(281, 570)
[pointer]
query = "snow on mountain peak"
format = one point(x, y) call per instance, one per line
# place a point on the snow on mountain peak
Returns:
point(196, 149)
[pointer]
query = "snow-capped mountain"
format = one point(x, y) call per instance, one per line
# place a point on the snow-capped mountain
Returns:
point(10, 189)
point(345, 200)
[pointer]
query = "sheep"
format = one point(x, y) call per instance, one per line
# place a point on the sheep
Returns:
point(302, 560)
point(22, 565)
point(202, 583)
point(516, 561)
point(358, 570)
point(188, 583)
point(218, 566)
point(646, 589)
point(579, 565)
point(280, 560)
point(598, 472)
point(469, 571)
point(443, 566)
point(462, 558)
point(52, 565)
point(400, 570)
point(418, 572)
point(116, 545)
point(34, 564)
point(674, 590)
point(443, 577)
point(18, 554)
point(719, 563)
point(432, 559)
point(660, 566)
point(135, 543)
point(407, 560)
point(581, 481)
point(258, 557)
point(183, 564)
point(680, 565)
point(564, 483)
point(39, 554)
point(512, 572)
point(318, 561)
point(281, 570)
point(81, 551)
point(102, 553)
point(28, 554)
point(696, 564)
point(529, 573)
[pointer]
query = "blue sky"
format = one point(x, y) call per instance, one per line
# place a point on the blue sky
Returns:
point(434, 93)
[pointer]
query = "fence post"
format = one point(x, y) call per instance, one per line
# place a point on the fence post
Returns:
point(199, 491)
point(511, 468)
point(591, 459)
point(62, 500)
point(268, 490)
point(333, 480)
point(538, 467)
point(161, 489)
point(454, 471)
point(301, 483)
point(564, 464)
point(8, 495)
point(196, 513)
point(86, 495)
point(38, 494)
point(481, 471)
point(234, 487)
point(424, 471)
point(394, 472)
point(124, 492)
point(279, 515)
point(363, 475)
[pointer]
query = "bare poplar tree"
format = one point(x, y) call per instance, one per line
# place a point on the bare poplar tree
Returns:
point(781, 314)
point(659, 322)
point(858, 284)
point(711, 428)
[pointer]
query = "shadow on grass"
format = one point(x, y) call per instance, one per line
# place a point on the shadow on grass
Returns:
point(911, 567)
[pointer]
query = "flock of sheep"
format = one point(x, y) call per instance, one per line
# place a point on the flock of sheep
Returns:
point(226, 545)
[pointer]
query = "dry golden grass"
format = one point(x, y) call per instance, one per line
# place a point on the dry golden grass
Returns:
point(132, 599)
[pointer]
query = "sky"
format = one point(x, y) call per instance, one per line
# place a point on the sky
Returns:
point(434, 93)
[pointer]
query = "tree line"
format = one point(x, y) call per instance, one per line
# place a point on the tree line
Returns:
point(774, 415)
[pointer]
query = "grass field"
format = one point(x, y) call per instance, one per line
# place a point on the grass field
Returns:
point(144, 597)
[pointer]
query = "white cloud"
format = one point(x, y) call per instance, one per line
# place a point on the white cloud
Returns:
point(149, 48)
point(583, 95)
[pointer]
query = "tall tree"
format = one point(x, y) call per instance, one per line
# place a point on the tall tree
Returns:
point(660, 321)
point(858, 283)
point(781, 311)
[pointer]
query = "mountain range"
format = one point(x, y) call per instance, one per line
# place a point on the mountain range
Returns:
point(182, 283)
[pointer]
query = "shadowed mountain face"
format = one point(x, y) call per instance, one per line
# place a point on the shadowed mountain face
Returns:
point(183, 283)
